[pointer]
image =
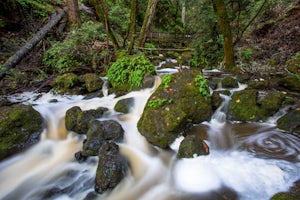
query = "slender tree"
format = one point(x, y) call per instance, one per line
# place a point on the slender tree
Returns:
point(132, 24)
point(102, 13)
point(147, 22)
point(224, 25)
point(73, 13)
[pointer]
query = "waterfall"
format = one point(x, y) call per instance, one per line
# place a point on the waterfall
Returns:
point(243, 161)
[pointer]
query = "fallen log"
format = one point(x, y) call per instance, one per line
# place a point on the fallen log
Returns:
point(19, 55)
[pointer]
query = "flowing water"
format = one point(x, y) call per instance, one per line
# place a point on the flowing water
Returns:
point(246, 161)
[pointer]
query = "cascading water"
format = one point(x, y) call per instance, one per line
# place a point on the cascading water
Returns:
point(254, 162)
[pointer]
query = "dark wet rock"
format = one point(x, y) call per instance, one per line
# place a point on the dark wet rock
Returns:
point(124, 105)
point(257, 84)
point(79, 157)
point(112, 167)
point(290, 122)
point(92, 82)
point(94, 95)
point(229, 82)
point(148, 81)
point(290, 82)
point(168, 110)
point(20, 128)
point(292, 194)
point(98, 133)
point(78, 121)
point(192, 145)
point(217, 99)
point(250, 105)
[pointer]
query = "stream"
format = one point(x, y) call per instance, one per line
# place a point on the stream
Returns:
point(246, 161)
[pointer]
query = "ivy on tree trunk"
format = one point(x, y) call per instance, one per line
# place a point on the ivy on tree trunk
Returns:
point(224, 25)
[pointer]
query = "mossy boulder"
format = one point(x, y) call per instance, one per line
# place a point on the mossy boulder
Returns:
point(291, 82)
point(229, 82)
point(168, 110)
point(68, 83)
point(249, 105)
point(20, 128)
point(192, 145)
point(292, 194)
point(290, 122)
point(112, 167)
point(78, 121)
point(124, 105)
point(92, 82)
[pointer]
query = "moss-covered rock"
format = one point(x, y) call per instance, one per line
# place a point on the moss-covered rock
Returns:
point(112, 167)
point(291, 82)
point(290, 122)
point(292, 194)
point(124, 105)
point(78, 121)
point(249, 105)
point(192, 145)
point(20, 127)
point(68, 83)
point(243, 106)
point(92, 82)
point(168, 110)
point(229, 82)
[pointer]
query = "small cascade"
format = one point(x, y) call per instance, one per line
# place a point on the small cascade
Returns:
point(220, 135)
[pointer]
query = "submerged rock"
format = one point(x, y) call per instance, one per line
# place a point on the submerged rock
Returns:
point(98, 133)
point(171, 107)
point(20, 128)
point(192, 145)
point(78, 121)
point(112, 167)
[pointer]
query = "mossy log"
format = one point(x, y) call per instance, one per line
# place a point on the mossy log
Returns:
point(19, 55)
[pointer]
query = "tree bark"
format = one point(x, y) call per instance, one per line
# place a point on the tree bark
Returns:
point(73, 13)
point(132, 25)
point(147, 22)
point(19, 55)
point(102, 13)
point(224, 25)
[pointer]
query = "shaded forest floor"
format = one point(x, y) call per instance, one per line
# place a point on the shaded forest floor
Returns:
point(274, 42)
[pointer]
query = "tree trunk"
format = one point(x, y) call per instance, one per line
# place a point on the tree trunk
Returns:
point(19, 55)
point(102, 13)
point(132, 25)
point(183, 13)
point(147, 22)
point(220, 9)
point(73, 13)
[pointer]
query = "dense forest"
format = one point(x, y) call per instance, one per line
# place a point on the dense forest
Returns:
point(41, 40)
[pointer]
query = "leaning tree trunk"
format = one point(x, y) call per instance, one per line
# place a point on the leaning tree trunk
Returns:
point(147, 22)
point(19, 55)
point(220, 9)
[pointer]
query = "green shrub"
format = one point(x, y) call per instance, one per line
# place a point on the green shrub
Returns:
point(158, 103)
point(166, 80)
point(202, 85)
point(82, 47)
point(129, 70)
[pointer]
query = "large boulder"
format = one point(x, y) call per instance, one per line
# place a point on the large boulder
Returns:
point(98, 133)
point(192, 145)
point(171, 107)
point(112, 167)
point(250, 105)
point(20, 128)
point(78, 121)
